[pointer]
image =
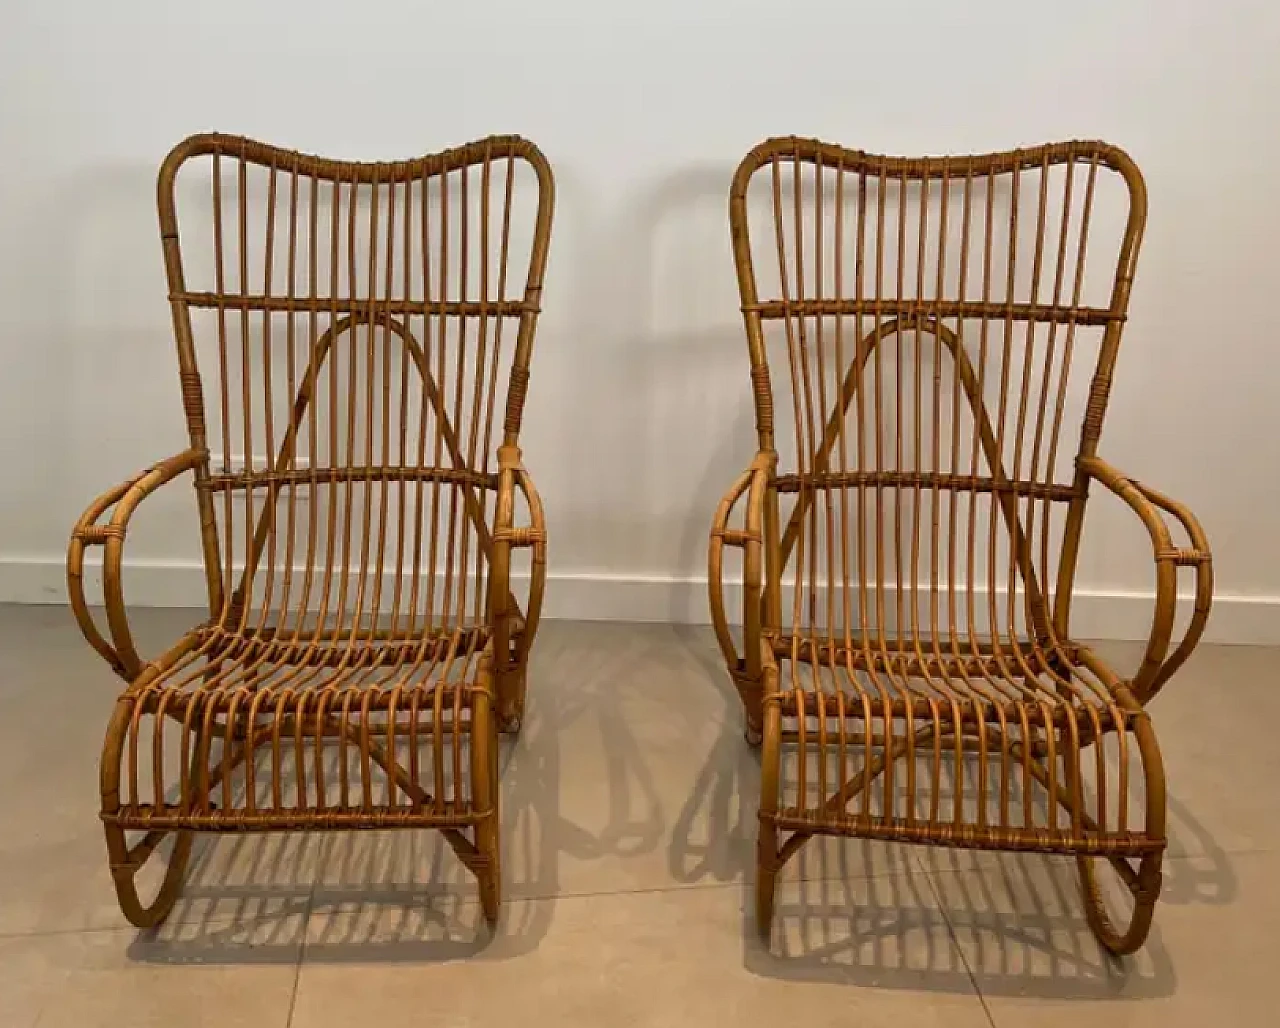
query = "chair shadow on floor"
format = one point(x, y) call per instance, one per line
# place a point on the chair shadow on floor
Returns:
point(1015, 928)
point(402, 895)
point(396, 895)
point(876, 915)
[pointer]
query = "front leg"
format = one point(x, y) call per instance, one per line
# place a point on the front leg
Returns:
point(745, 670)
point(514, 632)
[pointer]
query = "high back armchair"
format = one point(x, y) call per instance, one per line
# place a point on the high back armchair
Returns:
point(354, 343)
point(931, 346)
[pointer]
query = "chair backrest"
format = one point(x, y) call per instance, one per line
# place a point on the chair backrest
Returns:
point(942, 332)
point(346, 335)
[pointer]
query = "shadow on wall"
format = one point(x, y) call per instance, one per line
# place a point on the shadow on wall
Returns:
point(101, 398)
point(663, 414)
point(640, 410)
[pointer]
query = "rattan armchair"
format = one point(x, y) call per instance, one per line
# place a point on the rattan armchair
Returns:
point(943, 332)
point(359, 515)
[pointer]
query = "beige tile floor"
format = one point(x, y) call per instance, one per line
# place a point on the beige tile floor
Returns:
point(629, 824)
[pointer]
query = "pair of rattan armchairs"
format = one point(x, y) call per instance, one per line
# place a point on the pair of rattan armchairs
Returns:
point(908, 537)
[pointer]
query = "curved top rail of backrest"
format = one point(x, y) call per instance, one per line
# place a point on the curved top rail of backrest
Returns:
point(831, 155)
point(815, 151)
point(206, 144)
point(796, 151)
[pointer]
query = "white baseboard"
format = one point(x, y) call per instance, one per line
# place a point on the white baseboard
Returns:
point(1096, 613)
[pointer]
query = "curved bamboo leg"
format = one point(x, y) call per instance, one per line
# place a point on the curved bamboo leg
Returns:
point(1130, 939)
point(484, 773)
point(125, 865)
point(513, 683)
point(1145, 883)
point(767, 857)
point(126, 861)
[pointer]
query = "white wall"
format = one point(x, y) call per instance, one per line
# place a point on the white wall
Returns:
point(640, 407)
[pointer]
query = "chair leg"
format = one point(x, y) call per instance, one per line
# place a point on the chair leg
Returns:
point(126, 862)
point(512, 686)
point(490, 874)
point(1145, 884)
point(766, 877)
point(125, 868)
point(487, 790)
point(1116, 941)
point(490, 877)
point(751, 692)
point(767, 863)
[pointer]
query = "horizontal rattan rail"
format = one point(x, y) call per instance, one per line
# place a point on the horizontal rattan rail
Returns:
point(921, 832)
point(332, 476)
point(364, 307)
point(920, 480)
point(919, 312)
point(828, 711)
point(145, 818)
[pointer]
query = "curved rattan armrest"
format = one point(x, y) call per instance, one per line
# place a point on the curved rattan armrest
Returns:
point(507, 535)
point(750, 539)
point(1158, 664)
point(121, 501)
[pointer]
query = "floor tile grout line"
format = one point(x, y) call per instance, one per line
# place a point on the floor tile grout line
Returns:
point(471, 900)
point(676, 889)
point(211, 921)
point(699, 886)
point(955, 942)
point(743, 882)
point(465, 898)
point(912, 867)
point(468, 899)
point(302, 956)
point(1252, 851)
